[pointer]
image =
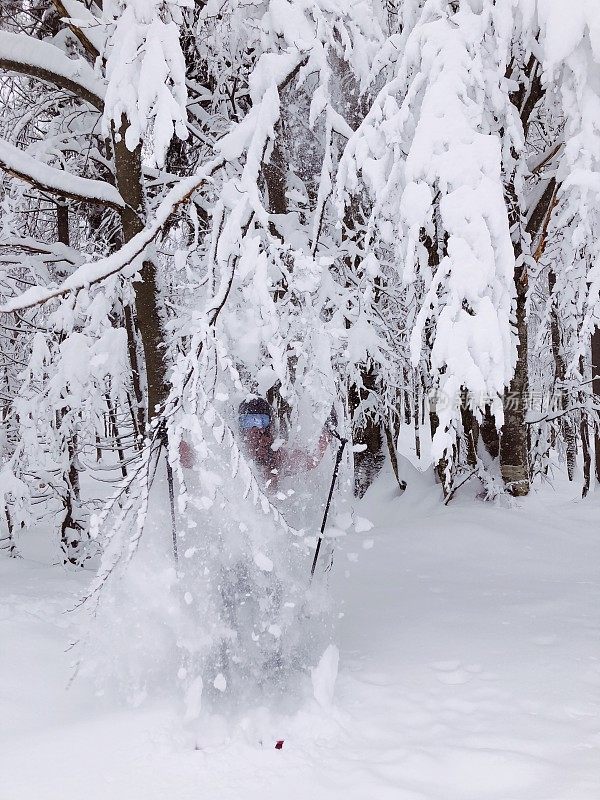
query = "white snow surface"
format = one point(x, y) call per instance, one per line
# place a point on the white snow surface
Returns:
point(324, 676)
point(469, 669)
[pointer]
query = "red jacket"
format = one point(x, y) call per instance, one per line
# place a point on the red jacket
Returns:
point(281, 462)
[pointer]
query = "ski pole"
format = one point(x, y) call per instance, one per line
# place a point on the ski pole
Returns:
point(336, 469)
point(165, 442)
point(172, 503)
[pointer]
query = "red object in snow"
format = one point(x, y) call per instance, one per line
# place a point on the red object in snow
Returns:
point(187, 456)
point(279, 744)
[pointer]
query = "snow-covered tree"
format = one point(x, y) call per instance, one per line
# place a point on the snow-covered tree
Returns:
point(385, 208)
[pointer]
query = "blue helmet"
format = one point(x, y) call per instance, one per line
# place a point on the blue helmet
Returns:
point(254, 413)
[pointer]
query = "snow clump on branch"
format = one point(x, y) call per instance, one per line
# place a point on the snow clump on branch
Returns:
point(145, 68)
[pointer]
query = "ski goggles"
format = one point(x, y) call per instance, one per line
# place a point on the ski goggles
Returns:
point(248, 421)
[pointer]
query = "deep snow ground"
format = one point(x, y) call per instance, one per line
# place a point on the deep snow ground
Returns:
point(469, 670)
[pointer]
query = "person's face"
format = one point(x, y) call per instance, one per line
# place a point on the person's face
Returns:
point(258, 442)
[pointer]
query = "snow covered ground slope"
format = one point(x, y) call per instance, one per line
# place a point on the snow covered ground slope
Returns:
point(469, 670)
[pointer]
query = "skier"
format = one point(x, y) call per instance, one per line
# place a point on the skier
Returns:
point(255, 423)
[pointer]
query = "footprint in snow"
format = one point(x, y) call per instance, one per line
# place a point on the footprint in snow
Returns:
point(455, 678)
point(452, 673)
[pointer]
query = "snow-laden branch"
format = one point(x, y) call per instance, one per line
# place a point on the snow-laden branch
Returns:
point(145, 72)
point(51, 252)
point(431, 155)
point(82, 23)
point(93, 272)
point(56, 181)
point(543, 160)
point(28, 56)
point(250, 137)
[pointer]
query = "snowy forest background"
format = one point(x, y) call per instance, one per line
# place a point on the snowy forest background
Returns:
point(392, 208)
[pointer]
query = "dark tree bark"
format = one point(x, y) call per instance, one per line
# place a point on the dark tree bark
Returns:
point(489, 433)
point(584, 433)
point(391, 435)
point(587, 456)
point(63, 13)
point(114, 432)
point(136, 372)
point(417, 422)
point(62, 221)
point(442, 465)
point(514, 450)
point(129, 179)
point(470, 432)
point(368, 463)
point(275, 175)
point(47, 76)
point(433, 246)
point(568, 427)
point(71, 528)
point(595, 347)
point(514, 455)
point(8, 542)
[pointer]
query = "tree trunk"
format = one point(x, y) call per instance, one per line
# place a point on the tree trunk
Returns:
point(62, 221)
point(417, 419)
point(595, 345)
point(114, 432)
point(368, 463)
point(139, 415)
point(392, 431)
point(128, 168)
point(470, 431)
point(441, 467)
point(275, 174)
point(514, 456)
point(587, 456)
point(489, 433)
point(514, 451)
point(8, 542)
point(70, 528)
point(568, 428)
